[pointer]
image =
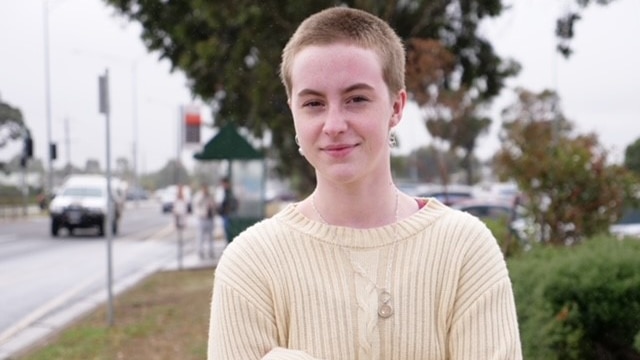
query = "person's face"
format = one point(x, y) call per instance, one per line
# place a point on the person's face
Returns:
point(342, 110)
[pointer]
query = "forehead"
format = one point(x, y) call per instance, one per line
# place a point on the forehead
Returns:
point(336, 65)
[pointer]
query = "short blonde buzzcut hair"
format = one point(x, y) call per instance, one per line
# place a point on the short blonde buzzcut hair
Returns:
point(351, 26)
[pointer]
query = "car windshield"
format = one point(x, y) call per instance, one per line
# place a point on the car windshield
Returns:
point(83, 191)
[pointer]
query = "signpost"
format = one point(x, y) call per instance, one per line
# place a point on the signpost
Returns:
point(103, 89)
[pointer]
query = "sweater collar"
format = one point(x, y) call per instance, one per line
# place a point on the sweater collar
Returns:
point(363, 238)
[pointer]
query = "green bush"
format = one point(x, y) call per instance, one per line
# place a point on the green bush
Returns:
point(580, 302)
point(507, 240)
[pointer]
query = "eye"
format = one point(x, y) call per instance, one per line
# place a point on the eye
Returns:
point(357, 99)
point(312, 104)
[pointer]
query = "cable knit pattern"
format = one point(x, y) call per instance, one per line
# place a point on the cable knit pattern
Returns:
point(287, 288)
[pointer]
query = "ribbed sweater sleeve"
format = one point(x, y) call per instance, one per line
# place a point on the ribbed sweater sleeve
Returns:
point(292, 288)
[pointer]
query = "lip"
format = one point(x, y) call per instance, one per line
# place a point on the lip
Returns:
point(335, 147)
point(338, 149)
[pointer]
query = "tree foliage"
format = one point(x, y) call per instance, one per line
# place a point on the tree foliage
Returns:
point(426, 164)
point(570, 189)
point(632, 157)
point(12, 124)
point(565, 25)
point(230, 51)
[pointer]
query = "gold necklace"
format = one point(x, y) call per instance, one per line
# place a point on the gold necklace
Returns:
point(385, 309)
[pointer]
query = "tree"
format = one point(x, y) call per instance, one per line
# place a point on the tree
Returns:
point(425, 164)
point(92, 166)
point(570, 189)
point(456, 122)
point(632, 157)
point(451, 112)
point(565, 25)
point(123, 170)
point(12, 124)
point(230, 52)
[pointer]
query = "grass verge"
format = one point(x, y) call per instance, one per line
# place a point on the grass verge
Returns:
point(166, 316)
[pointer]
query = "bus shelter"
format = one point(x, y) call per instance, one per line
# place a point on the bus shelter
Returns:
point(246, 170)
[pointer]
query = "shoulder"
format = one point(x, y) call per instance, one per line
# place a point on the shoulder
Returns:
point(250, 260)
point(454, 228)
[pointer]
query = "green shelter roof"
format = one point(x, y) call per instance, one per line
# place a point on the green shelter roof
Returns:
point(228, 144)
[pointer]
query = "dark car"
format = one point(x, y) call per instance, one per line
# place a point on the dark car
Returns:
point(450, 194)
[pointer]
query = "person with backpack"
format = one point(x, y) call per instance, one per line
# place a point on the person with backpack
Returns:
point(228, 206)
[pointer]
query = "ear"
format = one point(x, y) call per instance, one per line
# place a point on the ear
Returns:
point(399, 102)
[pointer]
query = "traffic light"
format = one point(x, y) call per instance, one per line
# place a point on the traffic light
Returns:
point(192, 122)
point(28, 147)
point(53, 151)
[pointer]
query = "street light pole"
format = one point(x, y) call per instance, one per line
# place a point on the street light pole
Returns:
point(48, 95)
point(134, 107)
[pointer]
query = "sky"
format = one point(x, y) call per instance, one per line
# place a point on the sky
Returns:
point(598, 85)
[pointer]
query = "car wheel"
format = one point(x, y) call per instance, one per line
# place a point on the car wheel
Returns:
point(54, 228)
point(101, 229)
point(71, 229)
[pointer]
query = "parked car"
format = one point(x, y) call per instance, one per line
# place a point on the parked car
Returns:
point(500, 209)
point(137, 193)
point(628, 225)
point(82, 202)
point(487, 208)
point(168, 196)
point(449, 194)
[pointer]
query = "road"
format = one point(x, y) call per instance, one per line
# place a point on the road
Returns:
point(41, 276)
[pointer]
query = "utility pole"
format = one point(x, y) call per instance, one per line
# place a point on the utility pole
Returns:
point(67, 144)
point(103, 87)
point(134, 109)
point(48, 95)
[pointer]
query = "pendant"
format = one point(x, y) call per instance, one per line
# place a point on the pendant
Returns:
point(385, 309)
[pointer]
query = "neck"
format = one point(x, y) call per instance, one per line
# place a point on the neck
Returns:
point(350, 209)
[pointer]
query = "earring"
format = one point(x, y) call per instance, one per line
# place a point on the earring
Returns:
point(298, 143)
point(393, 142)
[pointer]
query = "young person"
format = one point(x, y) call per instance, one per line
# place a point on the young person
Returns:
point(180, 208)
point(205, 210)
point(358, 269)
point(227, 207)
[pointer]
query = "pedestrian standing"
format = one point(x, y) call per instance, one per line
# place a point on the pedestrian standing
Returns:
point(228, 206)
point(179, 209)
point(205, 211)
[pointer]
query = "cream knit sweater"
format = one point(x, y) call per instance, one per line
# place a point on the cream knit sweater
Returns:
point(293, 288)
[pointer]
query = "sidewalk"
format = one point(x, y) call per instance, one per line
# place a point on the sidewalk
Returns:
point(47, 322)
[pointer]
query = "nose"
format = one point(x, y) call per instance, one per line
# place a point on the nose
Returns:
point(336, 122)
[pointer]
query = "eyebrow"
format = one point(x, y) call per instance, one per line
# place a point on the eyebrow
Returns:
point(357, 86)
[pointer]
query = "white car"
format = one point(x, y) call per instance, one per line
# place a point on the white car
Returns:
point(168, 196)
point(82, 202)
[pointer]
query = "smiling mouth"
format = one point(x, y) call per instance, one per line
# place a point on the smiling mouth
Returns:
point(337, 147)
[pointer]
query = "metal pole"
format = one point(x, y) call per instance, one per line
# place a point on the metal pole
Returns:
point(180, 245)
point(178, 163)
point(48, 94)
point(67, 141)
point(105, 109)
point(134, 107)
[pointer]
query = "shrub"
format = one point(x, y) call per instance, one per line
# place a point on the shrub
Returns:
point(580, 302)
